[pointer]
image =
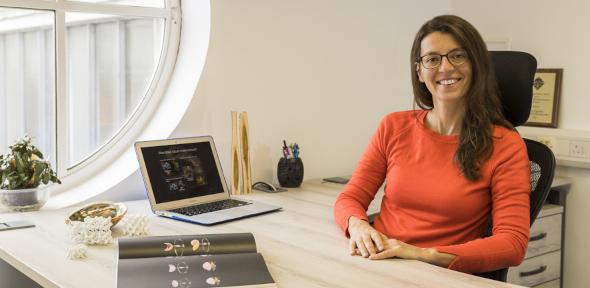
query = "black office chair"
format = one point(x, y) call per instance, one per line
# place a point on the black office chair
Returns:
point(515, 72)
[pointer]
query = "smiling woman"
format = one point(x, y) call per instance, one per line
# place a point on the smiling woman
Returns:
point(449, 80)
point(445, 166)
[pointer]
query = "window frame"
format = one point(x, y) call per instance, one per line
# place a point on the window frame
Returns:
point(128, 132)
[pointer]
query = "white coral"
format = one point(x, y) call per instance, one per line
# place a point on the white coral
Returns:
point(77, 252)
point(93, 231)
point(135, 225)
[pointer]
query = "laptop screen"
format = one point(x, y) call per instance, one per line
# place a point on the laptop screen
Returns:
point(182, 171)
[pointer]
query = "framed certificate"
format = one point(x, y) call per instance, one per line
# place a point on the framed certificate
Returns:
point(546, 93)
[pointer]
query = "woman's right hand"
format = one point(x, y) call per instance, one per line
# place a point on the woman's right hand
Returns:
point(364, 239)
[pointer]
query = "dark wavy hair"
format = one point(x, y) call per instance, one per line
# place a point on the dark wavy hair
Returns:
point(482, 104)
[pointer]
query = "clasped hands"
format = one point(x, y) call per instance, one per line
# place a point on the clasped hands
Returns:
point(366, 241)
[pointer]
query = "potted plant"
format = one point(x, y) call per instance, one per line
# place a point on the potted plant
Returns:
point(22, 171)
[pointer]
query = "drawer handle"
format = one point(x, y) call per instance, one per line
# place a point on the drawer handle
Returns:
point(534, 272)
point(538, 236)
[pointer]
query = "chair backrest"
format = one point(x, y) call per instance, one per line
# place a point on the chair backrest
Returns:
point(514, 73)
point(542, 171)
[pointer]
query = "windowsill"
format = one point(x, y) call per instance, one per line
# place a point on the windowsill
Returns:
point(192, 52)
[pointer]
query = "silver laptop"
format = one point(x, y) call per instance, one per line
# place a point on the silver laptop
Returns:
point(184, 181)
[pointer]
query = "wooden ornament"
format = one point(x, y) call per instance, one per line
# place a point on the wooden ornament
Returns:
point(245, 151)
point(235, 156)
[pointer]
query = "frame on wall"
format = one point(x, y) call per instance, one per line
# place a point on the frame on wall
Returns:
point(498, 43)
point(546, 94)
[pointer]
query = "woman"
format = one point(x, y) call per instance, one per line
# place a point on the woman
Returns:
point(446, 167)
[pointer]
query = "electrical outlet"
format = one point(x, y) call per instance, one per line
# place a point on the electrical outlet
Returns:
point(549, 141)
point(580, 149)
point(562, 147)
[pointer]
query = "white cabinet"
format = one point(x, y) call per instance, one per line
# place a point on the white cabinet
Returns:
point(543, 258)
point(543, 264)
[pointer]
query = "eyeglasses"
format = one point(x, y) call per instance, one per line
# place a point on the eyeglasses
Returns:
point(431, 61)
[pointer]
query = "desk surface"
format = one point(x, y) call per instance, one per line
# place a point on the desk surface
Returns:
point(301, 245)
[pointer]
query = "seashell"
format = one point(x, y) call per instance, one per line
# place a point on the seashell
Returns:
point(99, 209)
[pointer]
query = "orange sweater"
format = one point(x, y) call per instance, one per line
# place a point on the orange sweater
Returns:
point(429, 203)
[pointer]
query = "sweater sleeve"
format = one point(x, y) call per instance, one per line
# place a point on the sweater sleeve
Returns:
point(510, 189)
point(368, 176)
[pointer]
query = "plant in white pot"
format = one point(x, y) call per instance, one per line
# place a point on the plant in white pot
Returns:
point(22, 171)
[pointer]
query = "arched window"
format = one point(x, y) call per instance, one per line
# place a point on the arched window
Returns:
point(76, 75)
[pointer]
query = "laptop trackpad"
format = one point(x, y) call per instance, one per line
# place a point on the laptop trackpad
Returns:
point(209, 218)
point(233, 213)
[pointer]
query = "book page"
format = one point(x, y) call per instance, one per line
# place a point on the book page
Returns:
point(222, 270)
point(186, 245)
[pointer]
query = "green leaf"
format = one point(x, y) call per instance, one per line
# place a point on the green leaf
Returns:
point(38, 168)
point(19, 163)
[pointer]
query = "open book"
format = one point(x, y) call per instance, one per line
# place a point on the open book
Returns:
point(189, 261)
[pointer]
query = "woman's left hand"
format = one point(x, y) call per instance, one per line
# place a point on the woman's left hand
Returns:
point(396, 248)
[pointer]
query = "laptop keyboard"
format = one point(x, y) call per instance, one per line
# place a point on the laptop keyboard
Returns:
point(210, 207)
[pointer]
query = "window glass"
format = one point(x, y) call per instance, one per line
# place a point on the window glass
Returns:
point(111, 61)
point(27, 78)
point(142, 3)
point(108, 57)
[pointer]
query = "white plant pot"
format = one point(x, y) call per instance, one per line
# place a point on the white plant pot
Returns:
point(23, 200)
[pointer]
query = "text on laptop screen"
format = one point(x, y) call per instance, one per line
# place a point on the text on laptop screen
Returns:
point(182, 171)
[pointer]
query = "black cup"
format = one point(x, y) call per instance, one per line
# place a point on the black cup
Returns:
point(290, 172)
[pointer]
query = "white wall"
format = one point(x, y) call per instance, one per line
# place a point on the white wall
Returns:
point(319, 73)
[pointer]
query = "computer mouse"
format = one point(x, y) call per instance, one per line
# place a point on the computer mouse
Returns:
point(266, 187)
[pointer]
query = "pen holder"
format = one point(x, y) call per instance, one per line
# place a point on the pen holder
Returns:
point(290, 172)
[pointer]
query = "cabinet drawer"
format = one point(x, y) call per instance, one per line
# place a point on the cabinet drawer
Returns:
point(536, 270)
point(550, 284)
point(545, 236)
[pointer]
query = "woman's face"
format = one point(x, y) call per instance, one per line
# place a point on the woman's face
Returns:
point(447, 82)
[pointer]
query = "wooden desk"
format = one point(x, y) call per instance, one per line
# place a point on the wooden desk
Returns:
point(301, 245)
